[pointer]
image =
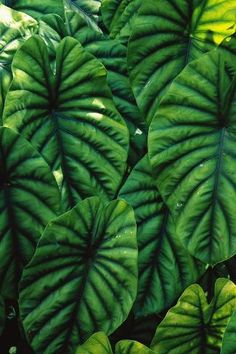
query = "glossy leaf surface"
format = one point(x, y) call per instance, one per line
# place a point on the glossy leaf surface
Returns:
point(70, 118)
point(165, 267)
point(194, 326)
point(97, 343)
point(25, 209)
point(82, 278)
point(36, 8)
point(88, 9)
point(119, 17)
point(132, 347)
point(192, 141)
point(112, 54)
point(169, 34)
point(229, 338)
point(15, 27)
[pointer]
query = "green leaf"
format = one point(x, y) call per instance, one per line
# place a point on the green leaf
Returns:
point(15, 27)
point(70, 118)
point(193, 325)
point(52, 29)
point(98, 343)
point(165, 267)
point(229, 338)
point(169, 34)
point(37, 8)
point(82, 278)
point(119, 17)
point(132, 347)
point(25, 210)
point(191, 144)
point(2, 314)
point(88, 9)
point(112, 54)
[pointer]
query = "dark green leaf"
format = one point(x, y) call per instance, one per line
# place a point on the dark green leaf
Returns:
point(113, 56)
point(169, 34)
point(119, 17)
point(29, 198)
point(70, 118)
point(191, 143)
point(165, 268)
point(194, 326)
point(82, 278)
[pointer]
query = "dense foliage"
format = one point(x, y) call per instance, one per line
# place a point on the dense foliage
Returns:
point(117, 176)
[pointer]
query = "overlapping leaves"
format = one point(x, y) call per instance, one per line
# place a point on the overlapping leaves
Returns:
point(191, 144)
point(169, 34)
point(99, 343)
point(25, 210)
point(14, 28)
point(69, 118)
point(200, 325)
point(36, 8)
point(82, 278)
point(113, 56)
point(165, 268)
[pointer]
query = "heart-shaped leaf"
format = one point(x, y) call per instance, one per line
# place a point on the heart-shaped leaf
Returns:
point(82, 278)
point(229, 338)
point(97, 343)
point(193, 325)
point(15, 27)
point(169, 34)
point(112, 54)
point(191, 144)
point(29, 198)
point(165, 267)
point(119, 16)
point(36, 8)
point(70, 118)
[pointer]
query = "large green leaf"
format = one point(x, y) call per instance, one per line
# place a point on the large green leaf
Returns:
point(132, 347)
point(98, 343)
point(2, 314)
point(14, 28)
point(82, 278)
point(113, 56)
point(119, 17)
point(165, 267)
point(194, 326)
point(52, 29)
point(229, 338)
point(70, 118)
point(36, 8)
point(88, 9)
point(29, 198)
point(191, 143)
point(169, 34)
